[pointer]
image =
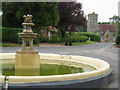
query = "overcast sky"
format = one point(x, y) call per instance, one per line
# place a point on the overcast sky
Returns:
point(104, 8)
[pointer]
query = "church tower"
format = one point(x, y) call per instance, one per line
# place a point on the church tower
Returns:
point(92, 24)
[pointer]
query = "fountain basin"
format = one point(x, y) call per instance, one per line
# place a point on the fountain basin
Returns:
point(67, 80)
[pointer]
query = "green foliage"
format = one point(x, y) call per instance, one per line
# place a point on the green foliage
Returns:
point(78, 38)
point(5, 45)
point(92, 36)
point(71, 16)
point(118, 40)
point(104, 23)
point(9, 45)
point(54, 39)
point(114, 19)
point(118, 35)
point(59, 39)
point(11, 35)
point(44, 13)
point(82, 43)
point(41, 39)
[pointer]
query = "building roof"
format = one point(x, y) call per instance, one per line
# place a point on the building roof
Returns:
point(107, 27)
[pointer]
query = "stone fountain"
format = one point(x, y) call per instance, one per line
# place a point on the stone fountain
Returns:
point(27, 66)
point(27, 60)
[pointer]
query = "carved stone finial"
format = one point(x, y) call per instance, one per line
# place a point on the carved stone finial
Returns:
point(27, 18)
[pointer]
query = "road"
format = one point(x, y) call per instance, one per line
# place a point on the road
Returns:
point(104, 51)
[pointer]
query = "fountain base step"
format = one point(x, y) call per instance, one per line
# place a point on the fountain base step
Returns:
point(25, 64)
point(27, 52)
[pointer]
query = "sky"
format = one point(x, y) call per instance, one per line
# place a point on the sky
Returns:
point(104, 8)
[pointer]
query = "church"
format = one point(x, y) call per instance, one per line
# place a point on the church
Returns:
point(106, 31)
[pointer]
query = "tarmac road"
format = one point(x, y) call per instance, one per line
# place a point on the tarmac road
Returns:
point(104, 51)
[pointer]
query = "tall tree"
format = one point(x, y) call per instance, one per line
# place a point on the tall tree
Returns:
point(71, 16)
point(44, 13)
point(114, 19)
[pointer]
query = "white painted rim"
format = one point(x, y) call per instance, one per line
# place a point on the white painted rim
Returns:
point(102, 68)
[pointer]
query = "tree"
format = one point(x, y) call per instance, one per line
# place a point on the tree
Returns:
point(70, 16)
point(44, 13)
point(114, 19)
point(83, 28)
point(118, 33)
point(104, 23)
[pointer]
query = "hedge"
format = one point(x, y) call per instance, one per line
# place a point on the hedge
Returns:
point(76, 38)
point(11, 34)
point(59, 39)
point(54, 39)
point(92, 36)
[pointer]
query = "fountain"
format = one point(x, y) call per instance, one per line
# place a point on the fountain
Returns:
point(27, 59)
point(27, 66)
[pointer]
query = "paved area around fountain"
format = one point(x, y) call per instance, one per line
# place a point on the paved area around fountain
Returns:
point(104, 51)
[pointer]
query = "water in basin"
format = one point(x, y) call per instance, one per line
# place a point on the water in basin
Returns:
point(8, 69)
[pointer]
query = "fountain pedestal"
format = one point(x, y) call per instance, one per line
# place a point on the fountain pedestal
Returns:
point(27, 60)
point(27, 63)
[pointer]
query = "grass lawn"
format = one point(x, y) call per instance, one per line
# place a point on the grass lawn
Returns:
point(46, 44)
point(9, 45)
point(82, 43)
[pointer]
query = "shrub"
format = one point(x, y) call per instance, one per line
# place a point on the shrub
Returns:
point(92, 36)
point(44, 39)
point(11, 34)
point(83, 38)
point(61, 39)
point(118, 40)
point(118, 35)
point(76, 38)
point(53, 39)
point(79, 38)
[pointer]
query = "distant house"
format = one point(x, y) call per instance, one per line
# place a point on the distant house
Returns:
point(107, 31)
point(48, 31)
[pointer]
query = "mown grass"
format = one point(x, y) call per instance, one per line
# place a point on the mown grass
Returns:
point(19, 45)
point(82, 43)
point(9, 45)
